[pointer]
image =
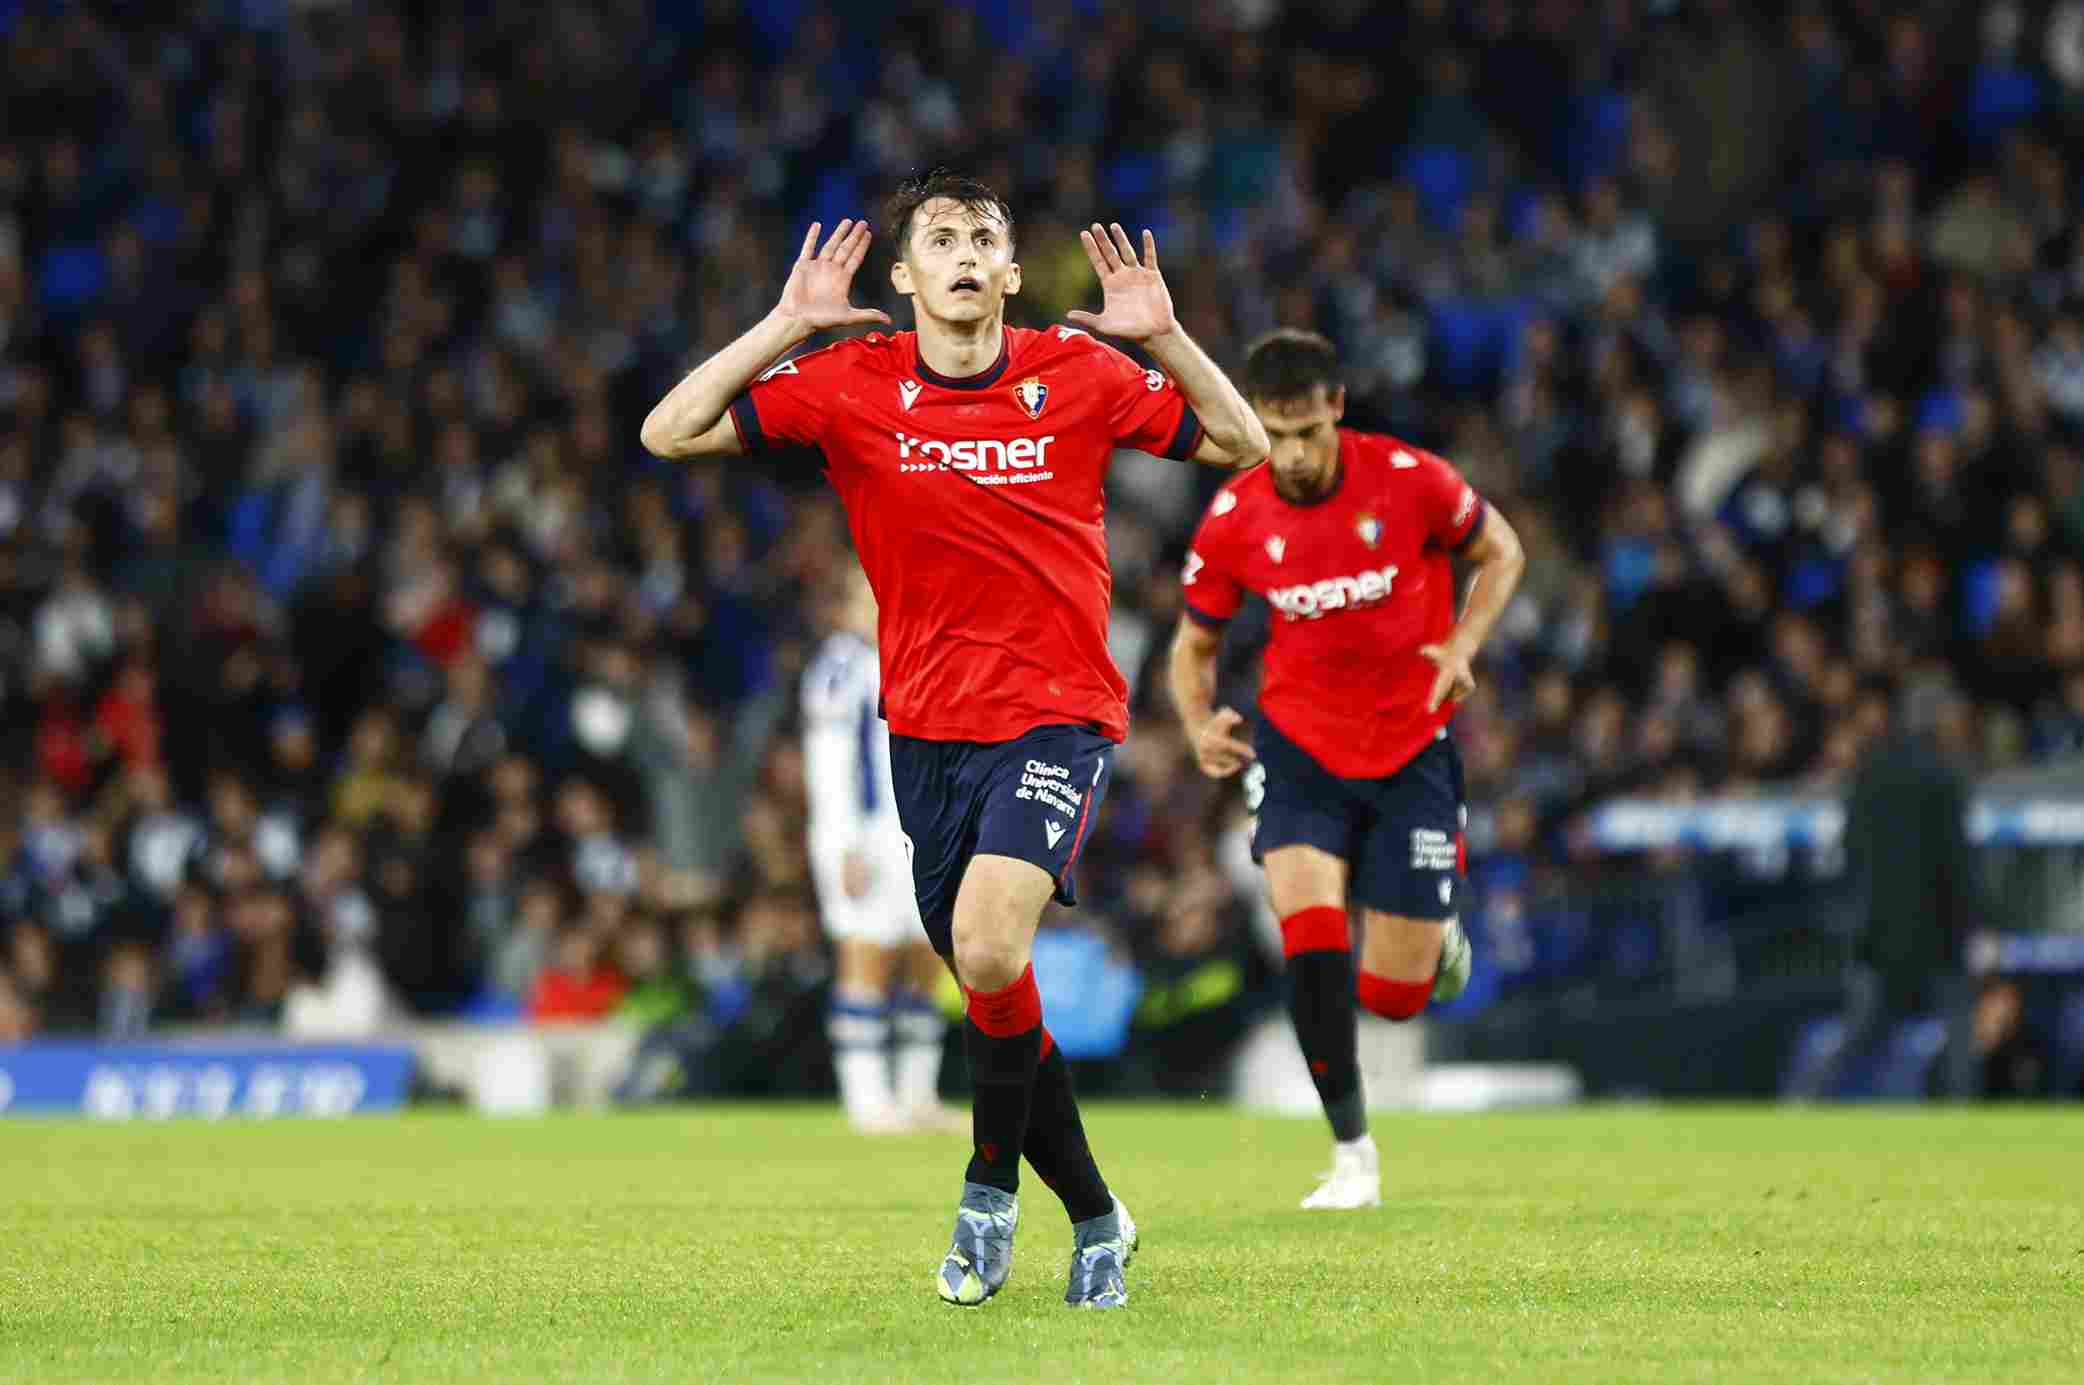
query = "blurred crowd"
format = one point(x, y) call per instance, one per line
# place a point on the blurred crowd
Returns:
point(355, 660)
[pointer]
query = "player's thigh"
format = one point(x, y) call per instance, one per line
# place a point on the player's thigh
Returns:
point(1409, 861)
point(1305, 825)
point(1301, 877)
point(936, 809)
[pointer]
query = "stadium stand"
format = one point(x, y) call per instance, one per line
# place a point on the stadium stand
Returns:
point(354, 656)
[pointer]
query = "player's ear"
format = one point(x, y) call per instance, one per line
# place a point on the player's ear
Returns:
point(901, 276)
point(1337, 400)
point(1013, 278)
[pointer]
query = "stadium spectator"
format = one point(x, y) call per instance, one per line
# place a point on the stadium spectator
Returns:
point(324, 332)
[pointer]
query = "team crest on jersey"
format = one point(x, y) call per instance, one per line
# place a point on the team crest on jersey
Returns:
point(1032, 394)
point(1370, 529)
point(1276, 548)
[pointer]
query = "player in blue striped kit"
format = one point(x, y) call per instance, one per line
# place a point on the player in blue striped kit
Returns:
point(887, 969)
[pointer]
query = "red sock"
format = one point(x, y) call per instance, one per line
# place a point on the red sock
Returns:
point(1393, 1000)
point(1322, 929)
point(1011, 1010)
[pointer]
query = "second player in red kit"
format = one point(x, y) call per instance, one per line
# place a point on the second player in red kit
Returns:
point(971, 458)
point(1353, 781)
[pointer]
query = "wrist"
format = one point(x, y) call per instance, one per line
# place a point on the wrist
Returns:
point(1159, 343)
point(788, 325)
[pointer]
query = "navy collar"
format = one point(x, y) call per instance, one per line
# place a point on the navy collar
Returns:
point(983, 379)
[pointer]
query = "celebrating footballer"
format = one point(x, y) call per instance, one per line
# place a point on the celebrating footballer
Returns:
point(970, 458)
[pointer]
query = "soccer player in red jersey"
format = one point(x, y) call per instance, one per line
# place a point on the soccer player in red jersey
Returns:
point(970, 457)
point(1353, 780)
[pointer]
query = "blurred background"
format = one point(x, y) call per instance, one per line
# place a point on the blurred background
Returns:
point(360, 675)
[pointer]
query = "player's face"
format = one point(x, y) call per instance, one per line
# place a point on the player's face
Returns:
point(1305, 437)
point(958, 265)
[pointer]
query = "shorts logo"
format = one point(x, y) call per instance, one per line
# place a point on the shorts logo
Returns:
point(1032, 394)
point(1447, 889)
point(1049, 785)
point(1370, 529)
point(1054, 831)
point(1432, 849)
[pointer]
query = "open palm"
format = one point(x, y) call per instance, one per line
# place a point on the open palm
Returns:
point(1135, 305)
point(821, 280)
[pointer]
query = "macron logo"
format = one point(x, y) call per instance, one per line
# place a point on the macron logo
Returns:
point(1054, 831)
point(908, 393)
point(972, 454)
point(1402, 461)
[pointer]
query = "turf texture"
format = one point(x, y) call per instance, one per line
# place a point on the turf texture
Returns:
point(769, 1244)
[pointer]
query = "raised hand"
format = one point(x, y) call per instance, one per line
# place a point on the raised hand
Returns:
point(1135, 304)
point(821, 281)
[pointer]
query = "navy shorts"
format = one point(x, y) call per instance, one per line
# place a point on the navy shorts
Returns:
point(1032, 798)
point(1400, 836)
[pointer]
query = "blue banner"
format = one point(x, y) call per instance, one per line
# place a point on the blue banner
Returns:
point(157, 1081)
point(1747, 824)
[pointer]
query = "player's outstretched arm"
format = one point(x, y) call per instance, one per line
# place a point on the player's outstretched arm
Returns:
point(692, 420)
point(1211, 730)
point(1499, 560)
point(1136, 306)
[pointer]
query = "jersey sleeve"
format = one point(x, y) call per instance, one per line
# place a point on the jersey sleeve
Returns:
point(1146, 410)
point(1211, 592)
point(788, 403)
point(1453, 510)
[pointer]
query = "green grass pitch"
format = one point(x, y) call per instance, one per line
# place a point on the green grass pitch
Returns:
point(1600, 1244)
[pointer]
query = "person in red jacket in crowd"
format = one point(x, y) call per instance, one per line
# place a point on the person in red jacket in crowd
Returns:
point(579, 984)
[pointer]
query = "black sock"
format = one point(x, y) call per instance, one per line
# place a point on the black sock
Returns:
point(1002, 1079)
point(1056, 1145)
point(1320, 1001)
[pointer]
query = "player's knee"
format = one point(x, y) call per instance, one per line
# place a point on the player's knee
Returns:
point(1389, 998)
point(1406, 949)
point(987, 958)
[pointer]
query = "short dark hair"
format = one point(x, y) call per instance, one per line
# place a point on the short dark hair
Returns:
point(1288, 362)
point(940, 182)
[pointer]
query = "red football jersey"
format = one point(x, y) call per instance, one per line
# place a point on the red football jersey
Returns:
point(1358, 581)
point(975, 506)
